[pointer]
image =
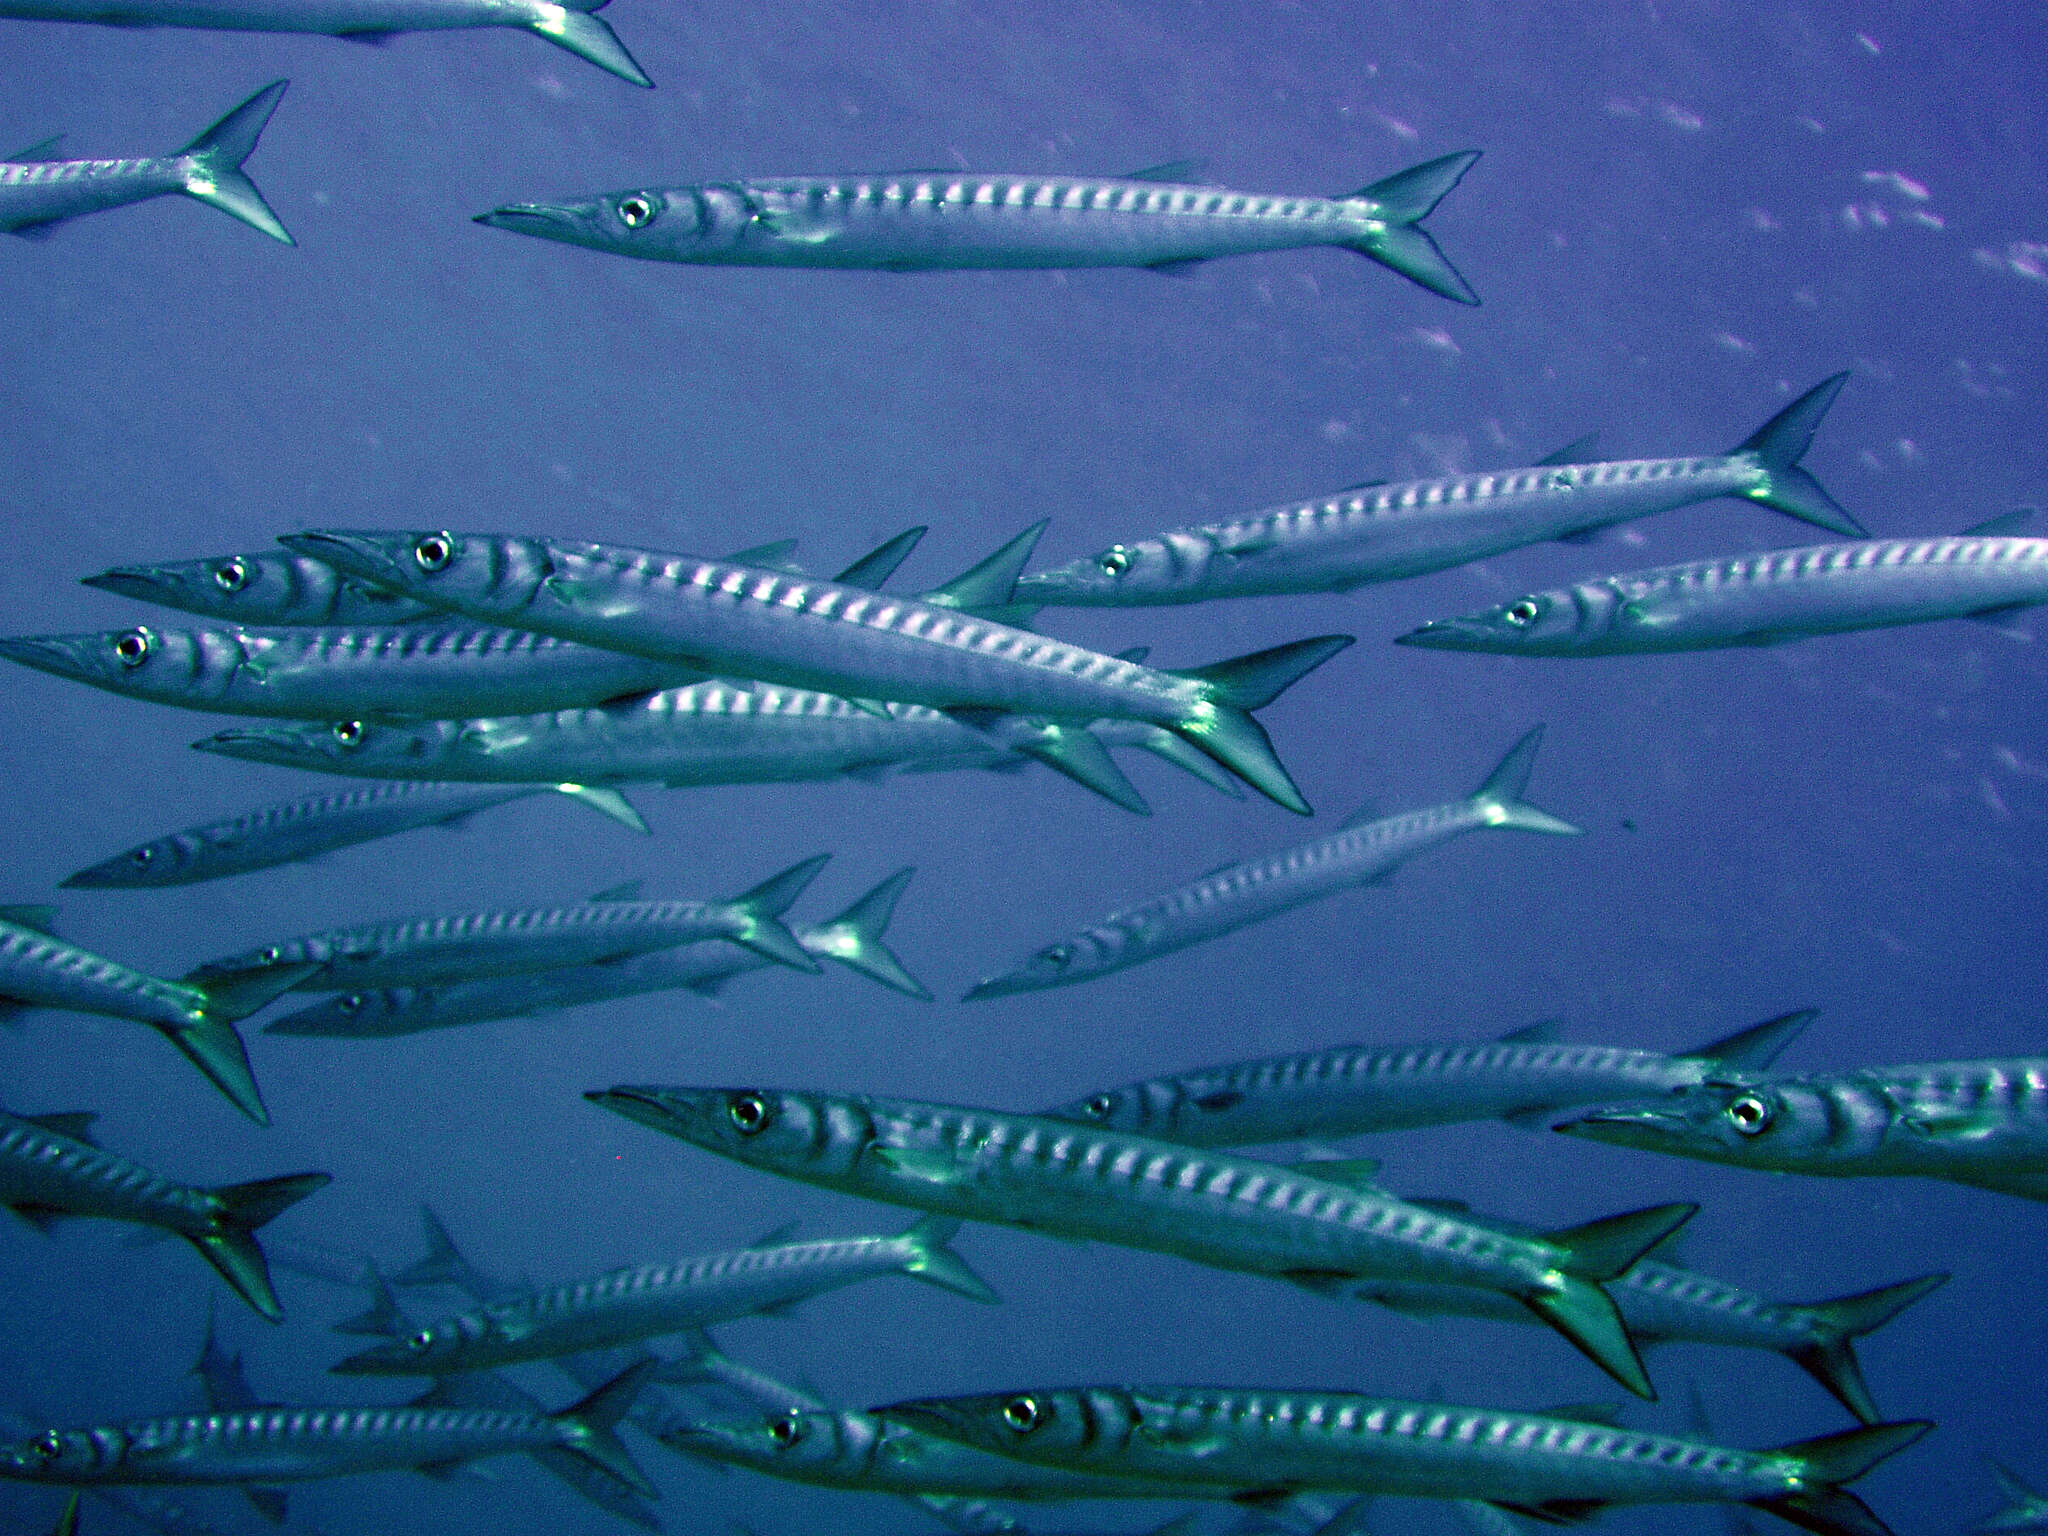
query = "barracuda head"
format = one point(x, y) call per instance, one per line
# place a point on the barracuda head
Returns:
point(803, 1444)
point(142, 661)
point(267, 588)
point(802, 1135)
point(366, 1014)
point(1119, 576)
point(426, 749)
point(427, 1351)
point(54, 1456)
point(1057, 965)
point(1137, 1108)
point(1056, 1427)
point(1542, 624)
point(484, 575)
point(1750, 1125)
point(656, 223)
point(147, 865)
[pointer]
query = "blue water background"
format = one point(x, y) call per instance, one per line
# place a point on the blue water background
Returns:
point(1659, 231)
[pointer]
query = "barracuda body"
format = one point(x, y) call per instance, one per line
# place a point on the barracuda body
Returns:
point(950, 221)
point(410, 671)
point(1527, 1077)
point(853, 939)
point(1969, 1122)
point(50, 1167)
point(1763, 599)
point(311, 825)
point(422, 951)
point(1229, 1212)
point(734, 619)
point(626, 1306)
point(566, 23)
point(1393, 531)
point(270, 587)
point(1555, 1467)
point(37, 194)
point(1237, 895)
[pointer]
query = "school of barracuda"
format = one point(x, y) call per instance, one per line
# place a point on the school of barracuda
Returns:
point(463, 669)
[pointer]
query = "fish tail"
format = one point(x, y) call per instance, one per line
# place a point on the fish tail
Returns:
point(1832, 1362)
point(231, 1247)
point(1500, 797)
point(572, 26)
point(763, 907)
point(1163, 743)
point(213, 1046)
point(933, 1262)
point(854, 938)
point(1832, 1461)
point(1780, 443)
point(1403, 201)
point(608, 802)
point(443, 1263)
point(1071, 750)
point(214, 164)
point(1589, 1320)
point(1224, 727)
point(2025, 1512)
point(383, 1318)
point(590, 1426)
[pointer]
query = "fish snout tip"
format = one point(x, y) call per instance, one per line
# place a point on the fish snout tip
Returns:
point(542, 219)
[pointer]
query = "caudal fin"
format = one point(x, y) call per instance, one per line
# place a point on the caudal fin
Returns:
point(1071, 750)
point(1224, 728)
point(1163, 743)
point(571, 26)
point(763, 907)
point(854, 938)
point(1403, 200)
point(1500, 800)
point(1832, 1461)
point(1832, 1361)
point(211, 1044)
point(589, 1427)
point(607, 802)
point(213, 163)
point(936, 1264)
point(444, 1263)
point(231, 1247)
point(1779, 444)
point(1592, 1253)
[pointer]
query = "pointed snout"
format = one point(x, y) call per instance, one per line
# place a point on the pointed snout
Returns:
point(257, 744)
point(134, 581)
point(1618, 1122)
point(58, 654)
point(545, 221)
point(674, 1110)
point(1446, 635)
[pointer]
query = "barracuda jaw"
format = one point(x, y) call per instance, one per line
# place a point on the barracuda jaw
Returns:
point(569, 223)
point(1454, 635)
point(676, 1112)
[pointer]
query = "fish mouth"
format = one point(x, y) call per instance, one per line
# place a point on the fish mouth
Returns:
point(259, 745)
point(1621, 1121)
point(662, 1109)
point(1445, 635)
point(131, 581)
point(936, 1417)
point(53, 654)
point(546, 221)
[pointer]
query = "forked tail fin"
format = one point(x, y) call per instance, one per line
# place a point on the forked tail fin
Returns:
point(1592, 1253)
point(1163, 743)
point(1500, 800)
point(1224, 728)
point(571, 26)
point(936, 1264)
point(213, 171)
point(1832, 1362)
point(854, 938)
point(1404, 200)
point(763, 907)
point(444, 1263)
point(1832, 1461)
point(590, 1426)
point(210, 1042)
point(231, 1247)
point(1779, 444)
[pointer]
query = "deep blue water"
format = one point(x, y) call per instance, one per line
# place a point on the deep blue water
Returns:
point(1686, 213)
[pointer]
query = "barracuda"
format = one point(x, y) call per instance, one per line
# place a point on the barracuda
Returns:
point(1362, 852)
point(567, 24)
point(923, 221)
point(626, 1306)
point(409, 671)
point(853, 939)
point(50, 1167)
point(1387, 532)
point(2026, 1510)
point(38, 194)
point(1526, 1077)
point(1232, 1213)
point(269, 1445)
point(1765, 599)
point(197, 1015)
point(270, 587)
point(291, 830)
point(1969, 1122)
point(1551, 1467)
point(420, 951)
point(727, 618)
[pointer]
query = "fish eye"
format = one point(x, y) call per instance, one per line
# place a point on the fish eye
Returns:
point(133, 647)
point(49, 1445)
point(1101, 1106)
point(1056, 954)
point(143, 855)
point(1523, 612)
point(352, 1002)
point(786, 1431)
point(231, 575)
point(1114, 562)
point(636, 210)
point(434, 552)
point(349, 733)
point(420, 1340)
point(1024, 1414)
point(1750, 1115)
point(749, 1113)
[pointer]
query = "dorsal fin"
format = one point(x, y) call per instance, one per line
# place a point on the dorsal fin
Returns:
point(36, 917)
point(1608, 1414)
point(75, 1123)
point(773, 557)
point(879, 564)
point(40, 150)
point(1755, 1048)
point(1359, 1173)
point(1135, 654)
point(1579, 451)
point(2006, 525)
point(1542, 1032)
point(1371, 810)
point(989, 583)
point(1361, 485)
point(1183, 172)
point(625, 890)
point(775, 1237)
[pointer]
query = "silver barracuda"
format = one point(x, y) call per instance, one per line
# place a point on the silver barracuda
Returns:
point(2025, 1509)
point(1551, 1467)
point(1310, 1224)
point(1363, 852)
point(50, 1167)
point(925, 221)
point(37, 193)
point(421, 951)
point(272, 1445)
point(1390, 531)
point(645, 1301)
point(734, 619)
point(1527, 1077)
point(310, 825)
point(1765, 599)
point(853, 939)
point(407, 671)
point(566, 23)
point(1970, 1122)
point(270, 587)
point(197, 1015)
